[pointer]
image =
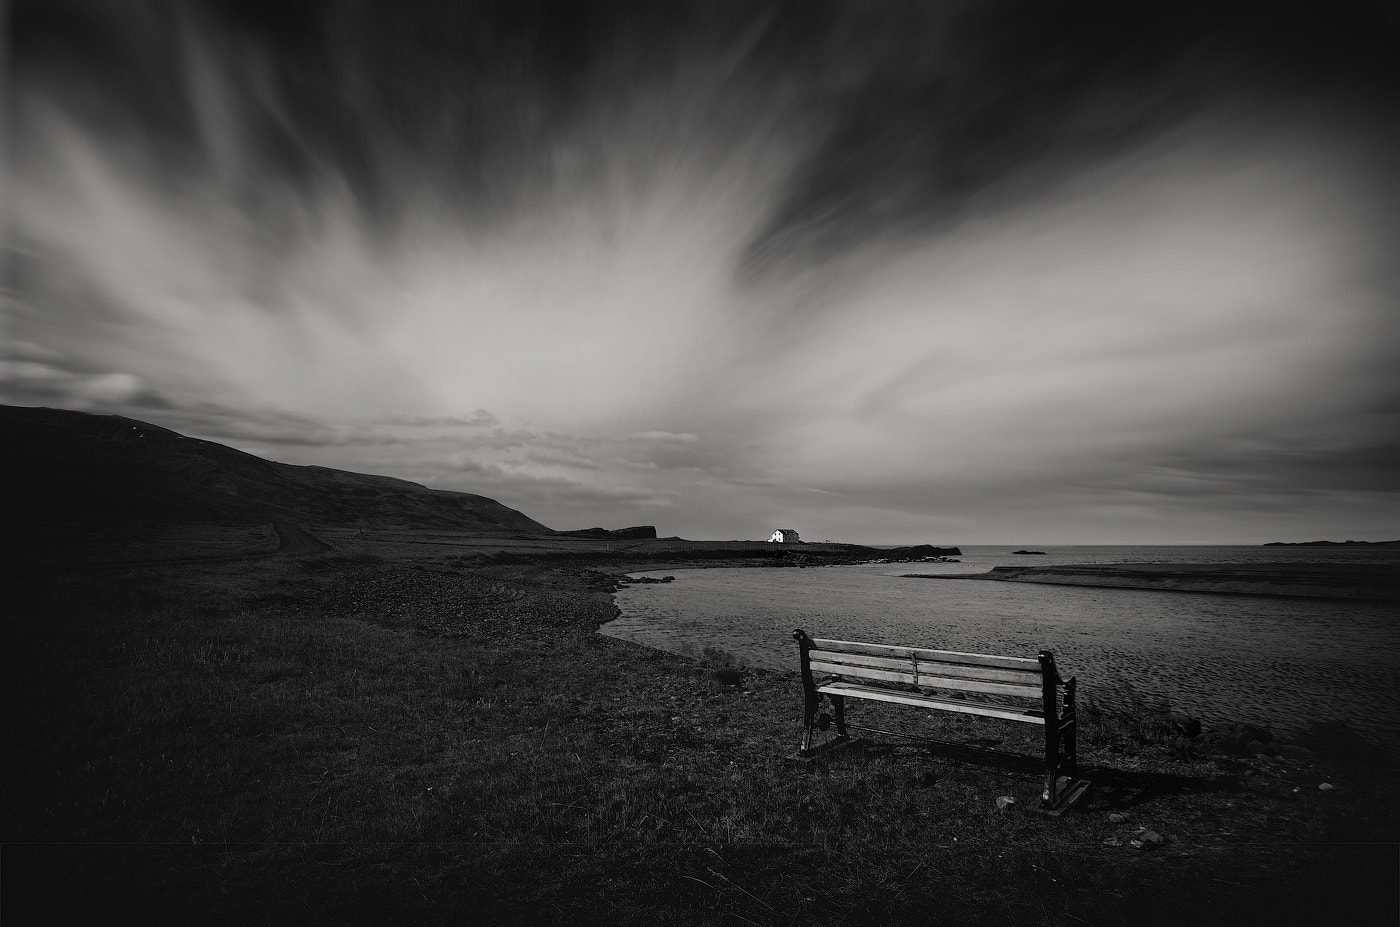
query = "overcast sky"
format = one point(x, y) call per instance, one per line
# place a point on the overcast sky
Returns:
point(981, 272)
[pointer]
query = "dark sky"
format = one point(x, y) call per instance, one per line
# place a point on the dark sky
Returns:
point(878, 271)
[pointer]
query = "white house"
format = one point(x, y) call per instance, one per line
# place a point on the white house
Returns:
point(784, 536)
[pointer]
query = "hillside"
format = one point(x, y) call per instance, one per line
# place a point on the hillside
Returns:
point(79, 467)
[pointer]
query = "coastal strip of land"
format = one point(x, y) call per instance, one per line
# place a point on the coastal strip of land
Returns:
point(1317, 580)
point(398, 732)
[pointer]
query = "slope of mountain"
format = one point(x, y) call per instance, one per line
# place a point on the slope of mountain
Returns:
point(639, 533)
point(75, 466)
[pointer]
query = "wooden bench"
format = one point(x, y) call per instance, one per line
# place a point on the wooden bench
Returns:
point(1024, 689)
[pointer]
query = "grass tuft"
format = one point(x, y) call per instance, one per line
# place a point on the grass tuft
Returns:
point(724, 667)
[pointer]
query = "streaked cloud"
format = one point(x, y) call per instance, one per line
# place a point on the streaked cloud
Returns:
point(953, 273)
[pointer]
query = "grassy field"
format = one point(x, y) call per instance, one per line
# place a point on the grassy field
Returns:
point(364, 739)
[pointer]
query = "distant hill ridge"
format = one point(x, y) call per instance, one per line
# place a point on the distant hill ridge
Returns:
point(639, 533)
point(77, 466)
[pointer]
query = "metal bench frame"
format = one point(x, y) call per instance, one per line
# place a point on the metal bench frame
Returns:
point(849, 669)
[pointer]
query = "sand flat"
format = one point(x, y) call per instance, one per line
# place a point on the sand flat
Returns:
point(1325, 580)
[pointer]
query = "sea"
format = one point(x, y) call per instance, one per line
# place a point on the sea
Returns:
point(1275, 661)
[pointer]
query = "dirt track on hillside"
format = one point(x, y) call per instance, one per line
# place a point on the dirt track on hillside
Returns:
point(293, 540)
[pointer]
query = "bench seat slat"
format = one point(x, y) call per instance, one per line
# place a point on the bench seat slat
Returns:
point(926, 701)
point(948, 656)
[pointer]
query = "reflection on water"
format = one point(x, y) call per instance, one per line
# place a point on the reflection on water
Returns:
point(1282, 662)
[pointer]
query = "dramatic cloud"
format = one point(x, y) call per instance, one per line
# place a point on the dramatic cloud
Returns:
point(960, 272)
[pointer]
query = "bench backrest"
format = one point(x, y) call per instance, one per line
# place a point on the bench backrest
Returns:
point(1022, 678)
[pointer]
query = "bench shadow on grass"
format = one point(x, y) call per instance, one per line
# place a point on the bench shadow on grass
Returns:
point(1112, 788)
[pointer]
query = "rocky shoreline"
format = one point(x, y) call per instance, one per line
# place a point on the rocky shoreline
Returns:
point(673, 553)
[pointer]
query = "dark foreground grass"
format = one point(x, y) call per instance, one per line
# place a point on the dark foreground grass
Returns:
point(332, 740)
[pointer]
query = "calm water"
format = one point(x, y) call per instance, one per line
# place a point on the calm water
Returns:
point(1269, 660)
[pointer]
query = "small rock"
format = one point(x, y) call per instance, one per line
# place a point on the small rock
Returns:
point(1147, 839)
point(1326, 786)
point(1004, 802)
point(1183, 724)
point(1113, 842)
point(926, 779)
point(1117, 818)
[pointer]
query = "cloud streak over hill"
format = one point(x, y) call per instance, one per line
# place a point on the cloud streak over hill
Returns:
point(960, 272)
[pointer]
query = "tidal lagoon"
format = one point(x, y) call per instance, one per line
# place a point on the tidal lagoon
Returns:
point(1277, 661)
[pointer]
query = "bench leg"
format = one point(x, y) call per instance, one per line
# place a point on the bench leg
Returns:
point(838, 703)
point(1061, 762)
point(1070, 740)
point(1052, 745)
point(1052, 763)
point(809, 718)
point(1069, 761)
point(1062, 787)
